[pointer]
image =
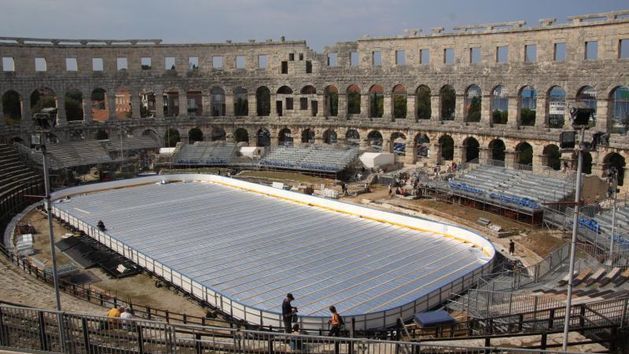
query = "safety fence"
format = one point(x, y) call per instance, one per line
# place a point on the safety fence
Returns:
point(51, 331)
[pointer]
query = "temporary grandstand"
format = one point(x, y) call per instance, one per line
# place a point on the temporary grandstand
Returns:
point(310, 158)
point(518, 191)
point(204, 153)
point(242, 252)
point(71, 154)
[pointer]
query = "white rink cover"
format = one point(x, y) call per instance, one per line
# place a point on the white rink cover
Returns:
point(241, 247)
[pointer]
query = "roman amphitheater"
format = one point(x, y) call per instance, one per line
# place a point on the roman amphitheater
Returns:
point(468, 120)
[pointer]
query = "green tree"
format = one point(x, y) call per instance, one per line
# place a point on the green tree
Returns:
point(527, 117)
point(473, 114)
point(353, 103)
point(500, 117)
point(333, 101)
point(448, 99)
point(399, 106)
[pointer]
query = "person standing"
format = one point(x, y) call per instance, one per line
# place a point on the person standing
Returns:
point(511, 247)
point(287, 312)
point(335, 322)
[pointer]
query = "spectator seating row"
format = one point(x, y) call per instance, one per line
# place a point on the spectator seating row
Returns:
point(205, 153)
point(71, 154)
point(310, 158)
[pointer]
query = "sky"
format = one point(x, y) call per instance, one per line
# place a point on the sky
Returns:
point(319, 22)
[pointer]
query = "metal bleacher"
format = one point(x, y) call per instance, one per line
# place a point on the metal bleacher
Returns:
point(516, 188)
point(71, 154)
point(205, 153)
point(311, 158)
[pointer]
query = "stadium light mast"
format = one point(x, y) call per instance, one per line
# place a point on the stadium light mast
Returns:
point(613, 174)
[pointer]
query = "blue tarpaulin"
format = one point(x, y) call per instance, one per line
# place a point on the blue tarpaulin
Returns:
point(433, 318)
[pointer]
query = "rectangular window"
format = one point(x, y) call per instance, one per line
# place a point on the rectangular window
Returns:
point(591, 50)
point(353, 58)
point(559, 52)
point(289, 103)
point(623, 49)
point(122, 64)
point(424, 56)
point(217, 62)
point(502, 54)
point(376, 58)
point(331, 59)
point(40, 64)
point(303, 103)
point(475, 55)
point(169, 63)
point(97, 64)
point(530, 53)
point(8, 64)
point(263, 61)
point(71, 64)
point(400, 57)
point(448, 56)
point(308, 67)
point(146, 63)
point(284, 67)
point(240, 62)
point(301, 56)
point(193, 63)
point(291, 56)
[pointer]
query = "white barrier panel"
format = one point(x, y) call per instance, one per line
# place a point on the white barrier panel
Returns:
point(266, 318)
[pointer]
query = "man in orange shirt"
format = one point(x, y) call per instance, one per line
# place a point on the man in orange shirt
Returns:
point(335, 322)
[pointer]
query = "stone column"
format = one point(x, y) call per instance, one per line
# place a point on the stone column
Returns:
point(229, 105)
point(111, 104)
point(510, 156)
point(251, 102)
point(459, 108)
point(410, 108)
point(435, 109)
point(342, 106)
point(387, 113)
point(364, 105)
point(538, 163)
point(1, 114)
point(484, 155)
point(159, 105)
point(61, 110)
point(364, 144)
point(320, 106)
point(27, 118)
point(513, 112)
point(135, 105)
point(485, 111)
point(458, 153)
point(87, 109)
point(603, 122)
point(625, 184)
point(183, 104)
point(386, 145)
point(205, 103)
point(434, 155)
point(411, 155)
point(541, 114)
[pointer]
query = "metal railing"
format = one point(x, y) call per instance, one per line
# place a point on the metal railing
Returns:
point(39, 330)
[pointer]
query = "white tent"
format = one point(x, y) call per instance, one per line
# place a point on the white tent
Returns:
point(377, 159)
point(251, 151)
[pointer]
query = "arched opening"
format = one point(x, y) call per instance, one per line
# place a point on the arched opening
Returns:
point(329, 136)
point(447, 97)
point(615, 160)
point(284, 100)
point(331, 101)
point(74, 105)
point(171, 103)
point(619, 112)
point(194, 101)
point(399, 101)
point(241, 135)
point(12, 107)
point(472, 150)
point(497, 149)
point(263, 138)
point(375, 140)
point(147, 105)
point(285, 137)
point(217, 101)
point(284, 90)
point(123, 104)
point(446, 145)
point(101, 134)
point(353, 99)
point(499, 105)
point(473, 97)
point(171, 137)
point(195, 134)
point(422, 145)
point(352, 137)
point(528, 106)
point(524, 155)
point(43, 98)
point(586, 98)
point(263, 102)
point(552, 157)
point(100, 109)
point(556, 103)
point(307, 136)
point(308, 90)
point(376, 101)
point(152, 134)
point(218, 134)
point(398, 143)
point(241, 102)
point(422, 102)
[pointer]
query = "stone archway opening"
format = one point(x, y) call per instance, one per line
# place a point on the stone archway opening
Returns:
point(218, 134)
point(285, 137)
point(446, 146)
point(194, 135)
point(422, 145)
point(473, 97)
point(398, 143)
point(524, 155)
point(497, 150)
point(12, 107)
point(615, 161)
point(552, 157)
point(375, 140)
point(241, 135)
point(472, 150)
point(171, 137)
point(352, 137)
point(329, 136)
point(263, 138)
point(74, 105)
